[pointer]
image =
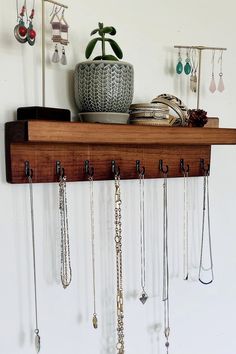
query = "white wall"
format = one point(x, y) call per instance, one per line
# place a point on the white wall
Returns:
point(202, 318)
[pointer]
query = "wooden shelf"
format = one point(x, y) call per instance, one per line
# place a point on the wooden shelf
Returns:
point(42, 143)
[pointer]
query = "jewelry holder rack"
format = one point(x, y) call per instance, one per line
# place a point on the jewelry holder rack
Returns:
point(199, 49)
point(49, 144)
point(44, 46)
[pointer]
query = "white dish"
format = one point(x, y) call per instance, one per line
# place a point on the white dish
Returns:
point(104, 117)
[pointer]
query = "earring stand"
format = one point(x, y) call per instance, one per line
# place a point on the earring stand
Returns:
point(200, 49)
point(44, 46)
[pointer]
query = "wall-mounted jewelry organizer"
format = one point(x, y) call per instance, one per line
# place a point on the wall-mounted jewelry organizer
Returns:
point(45, 144)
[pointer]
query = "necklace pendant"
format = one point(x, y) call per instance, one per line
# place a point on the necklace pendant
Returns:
point(37, 341)
point(143, 298)
point(95, 321)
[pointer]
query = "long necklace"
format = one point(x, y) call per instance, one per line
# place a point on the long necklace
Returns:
point(90, 173)
point(143, 298)
point(36, 331)
point(206, 205)
point(185, 171)
point(66, 272)
point(119, 268)
point(165, 266)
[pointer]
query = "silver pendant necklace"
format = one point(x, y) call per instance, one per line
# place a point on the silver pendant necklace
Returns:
point(141, 172)
point(165, 295)
point(90, 172)
point(29, 174)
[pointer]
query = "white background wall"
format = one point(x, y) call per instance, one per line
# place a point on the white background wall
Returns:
point(202, 318)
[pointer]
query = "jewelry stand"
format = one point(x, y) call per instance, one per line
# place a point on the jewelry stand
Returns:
point(199, 48)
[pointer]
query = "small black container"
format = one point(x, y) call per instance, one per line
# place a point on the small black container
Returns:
point(43, 113)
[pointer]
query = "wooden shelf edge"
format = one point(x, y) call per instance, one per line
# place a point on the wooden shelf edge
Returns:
point(92, 133)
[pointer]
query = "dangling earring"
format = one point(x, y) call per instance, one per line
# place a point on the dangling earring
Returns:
point(221, 85)
point(31, 34)
point(187, 66)
point(55, 56)
point(64, 37)
point(179, 66)
point(193, 77)
point(20, 31)
point(212, 86)
point(56, 33)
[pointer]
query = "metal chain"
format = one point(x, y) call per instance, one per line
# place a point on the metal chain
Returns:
point(143, 298)
point(95, 319)
point(119, 266)
point(66, 272)
point(185, 243)
point(165, 266)
point(206, 205)
point(36, 331)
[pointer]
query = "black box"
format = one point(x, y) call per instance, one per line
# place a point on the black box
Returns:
point(43, 113)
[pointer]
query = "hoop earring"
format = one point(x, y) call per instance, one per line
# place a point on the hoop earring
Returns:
point(20, 30)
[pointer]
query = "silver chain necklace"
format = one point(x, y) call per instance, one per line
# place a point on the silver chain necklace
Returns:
point(143, 298)
point(29, 174)
point(66, 272)
point(206, 207)
point(119, 268)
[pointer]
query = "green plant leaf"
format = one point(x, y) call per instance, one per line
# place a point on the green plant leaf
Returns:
point(113, 32)
point(109, 30)
point(100, 25)
point(90, 47)
point(115, 47)
point(94, 31)
point(109, 57)
point(99, 57)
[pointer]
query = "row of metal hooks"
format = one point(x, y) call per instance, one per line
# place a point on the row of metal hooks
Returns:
point(89, 170)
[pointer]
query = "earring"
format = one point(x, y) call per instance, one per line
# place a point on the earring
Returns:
point(63, 57)
point(193, 77)
point(212, 86)
point(179, 66)
point(221, 85)
point(20, 31)
point(55, 57)
point(187, 66)
point(64, 37)
point(31, 34)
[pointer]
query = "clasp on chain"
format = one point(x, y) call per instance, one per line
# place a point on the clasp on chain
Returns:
point(115, 168)
point(139, 170)
point(60, 171)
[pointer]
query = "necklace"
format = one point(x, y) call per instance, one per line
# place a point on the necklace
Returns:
point(29, 174)
point(90, 172)
point(143, 298)
point(66, 272)
point(185, 171)
point(119, 268)
point(206, 207)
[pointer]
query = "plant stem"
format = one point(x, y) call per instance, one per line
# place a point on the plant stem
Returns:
point(103, 45)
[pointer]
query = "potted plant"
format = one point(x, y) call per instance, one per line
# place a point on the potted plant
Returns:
point(104, 84)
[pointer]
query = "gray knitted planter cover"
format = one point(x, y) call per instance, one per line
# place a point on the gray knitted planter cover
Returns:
point(104, 86)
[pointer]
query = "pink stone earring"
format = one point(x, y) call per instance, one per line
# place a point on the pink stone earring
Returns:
point(212, 86)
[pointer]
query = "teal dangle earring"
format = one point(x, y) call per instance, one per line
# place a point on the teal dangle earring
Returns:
point(179, 66)
point(187, 66)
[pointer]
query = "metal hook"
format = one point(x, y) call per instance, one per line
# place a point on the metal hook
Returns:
point(88, 170)
point(60, 171)
point(164, 171)
point(115, 168)
point(183, 168)
point(203, 167)
point(28, 170)
point(140, 171)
